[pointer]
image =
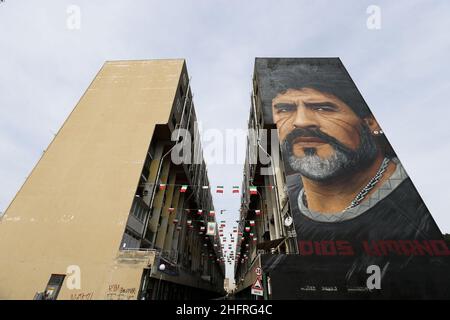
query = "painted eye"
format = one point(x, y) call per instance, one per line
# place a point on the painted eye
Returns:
point(285, 108)
point(323, 107)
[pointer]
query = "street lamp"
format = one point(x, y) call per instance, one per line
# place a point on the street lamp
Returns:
point(161, 267)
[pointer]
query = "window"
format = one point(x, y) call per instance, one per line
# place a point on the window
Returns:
point(129, 240)
point(181, 92)
point(152, 150)
point(184, 79)
point(147, 163)
point(54, 286)
point(139, 209)
point(178, 106)
point(174, 121)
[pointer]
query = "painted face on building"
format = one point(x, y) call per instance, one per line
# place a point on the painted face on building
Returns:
point(321, 136)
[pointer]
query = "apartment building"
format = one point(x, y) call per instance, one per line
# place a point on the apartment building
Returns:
point(106, 213)
point(265, 220)
point(329, 212)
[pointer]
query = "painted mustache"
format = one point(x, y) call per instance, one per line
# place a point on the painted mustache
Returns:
point(314, 134)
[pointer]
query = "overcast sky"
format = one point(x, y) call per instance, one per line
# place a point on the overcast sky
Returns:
point(401, 69)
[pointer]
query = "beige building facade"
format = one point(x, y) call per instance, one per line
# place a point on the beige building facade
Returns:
point(92, 222)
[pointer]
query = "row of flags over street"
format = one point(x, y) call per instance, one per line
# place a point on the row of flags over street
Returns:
point(227, 245)
point(229, 252)
point(211, 213)
point(219, 189)
point(210, 228)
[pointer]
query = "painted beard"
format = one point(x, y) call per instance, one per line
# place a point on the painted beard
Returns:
point(343, 160)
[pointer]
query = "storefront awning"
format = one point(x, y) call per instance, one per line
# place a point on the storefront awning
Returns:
point(267, 245)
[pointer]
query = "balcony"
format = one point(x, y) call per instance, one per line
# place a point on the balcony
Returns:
point(138, 213)
point(144, 258)
point(170, 255)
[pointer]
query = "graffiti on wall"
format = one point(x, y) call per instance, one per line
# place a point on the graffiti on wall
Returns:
point(82, 296)
point(118, 292)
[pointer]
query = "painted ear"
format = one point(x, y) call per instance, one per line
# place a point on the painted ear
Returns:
point(373, 125)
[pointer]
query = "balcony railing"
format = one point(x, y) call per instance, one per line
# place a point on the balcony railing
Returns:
point(170, 255)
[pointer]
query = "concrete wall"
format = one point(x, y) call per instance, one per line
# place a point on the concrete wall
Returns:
point(73, 207)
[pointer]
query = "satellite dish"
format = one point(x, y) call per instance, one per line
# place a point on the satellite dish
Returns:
point(288, 221)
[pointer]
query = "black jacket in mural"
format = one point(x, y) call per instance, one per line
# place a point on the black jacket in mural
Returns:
point(397, 234)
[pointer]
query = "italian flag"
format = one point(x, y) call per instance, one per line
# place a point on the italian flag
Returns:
point(199, 211)
point(183, 188)
point(258, 212)
point(211, 213)
point(235, 189)
point(247, 229)
point(252, 223)
point(162, 186)
point(253, 190)
point(219, 189)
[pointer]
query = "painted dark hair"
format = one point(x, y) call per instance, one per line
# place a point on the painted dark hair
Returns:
point(327, 75)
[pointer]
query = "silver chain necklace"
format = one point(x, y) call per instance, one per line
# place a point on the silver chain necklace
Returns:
point(369, 186)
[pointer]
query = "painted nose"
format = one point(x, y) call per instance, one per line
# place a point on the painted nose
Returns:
point(305, 118)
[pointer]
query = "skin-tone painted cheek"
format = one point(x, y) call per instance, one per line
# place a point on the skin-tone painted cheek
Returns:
point(282, 127)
